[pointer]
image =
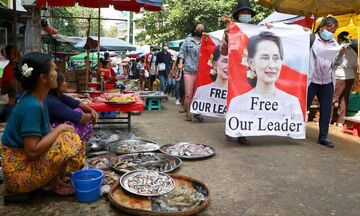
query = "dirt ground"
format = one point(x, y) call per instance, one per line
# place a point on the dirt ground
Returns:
point(272, 176)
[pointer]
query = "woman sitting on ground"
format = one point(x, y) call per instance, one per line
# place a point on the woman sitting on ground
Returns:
point(34, 155)
point(65, 109)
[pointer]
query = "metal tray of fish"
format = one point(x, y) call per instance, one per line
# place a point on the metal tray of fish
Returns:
point(107, 137)
point(134, 145)
point(101, 162)
point(187, 150)
point(147, 183)
point(150, 161)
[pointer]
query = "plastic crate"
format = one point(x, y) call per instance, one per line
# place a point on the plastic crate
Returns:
point(354, 102)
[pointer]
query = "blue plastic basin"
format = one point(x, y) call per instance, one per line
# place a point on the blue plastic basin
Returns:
point(88, 196)
point(87, 180)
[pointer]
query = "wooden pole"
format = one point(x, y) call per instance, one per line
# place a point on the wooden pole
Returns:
point(14, 23)
point(98, 47)
point(87, 52)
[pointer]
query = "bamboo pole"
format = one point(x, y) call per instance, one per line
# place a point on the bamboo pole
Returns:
point(15, 23)
point(87, 52)
point(98, 47)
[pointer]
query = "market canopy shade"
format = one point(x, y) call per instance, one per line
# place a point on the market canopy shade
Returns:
point(93, 56)
point(316, 8)
point(122, 5)
point(108, 44)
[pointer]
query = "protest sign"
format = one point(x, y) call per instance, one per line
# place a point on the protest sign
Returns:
point(267, 81)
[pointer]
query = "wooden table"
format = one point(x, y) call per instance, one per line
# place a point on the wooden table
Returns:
point(138, 106)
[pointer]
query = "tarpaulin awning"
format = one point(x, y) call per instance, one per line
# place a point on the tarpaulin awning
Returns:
point(316, 8)
point(107, 43)
point(123, 5)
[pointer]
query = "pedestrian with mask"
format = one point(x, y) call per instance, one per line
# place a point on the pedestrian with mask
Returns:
point(163, 65)
point(190, 53)
point(152, 67)
point(242, 13)
point(321, 76)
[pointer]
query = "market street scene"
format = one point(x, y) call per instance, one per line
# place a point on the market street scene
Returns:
point(169, 107)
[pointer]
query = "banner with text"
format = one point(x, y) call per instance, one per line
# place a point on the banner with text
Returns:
point(267, 81)
point(211, 83)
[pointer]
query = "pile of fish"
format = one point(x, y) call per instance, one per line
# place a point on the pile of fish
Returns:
point(188, 150)
point(147, 183)
point(110, 178)
point(133, 146)
point(149, 161)
point(177, 200)
point(99, 162)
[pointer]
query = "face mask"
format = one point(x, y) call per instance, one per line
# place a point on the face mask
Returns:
point(244, 18)
point(198, 33)
point(165, 48)
point(326, 35)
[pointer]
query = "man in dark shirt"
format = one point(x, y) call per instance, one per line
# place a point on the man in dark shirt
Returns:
point(163, 65)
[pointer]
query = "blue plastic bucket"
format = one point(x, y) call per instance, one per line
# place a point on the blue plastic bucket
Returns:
point(87, 180)
point(89, 195)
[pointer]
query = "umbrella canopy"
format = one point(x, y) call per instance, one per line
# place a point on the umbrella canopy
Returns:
point(347, 22)
point(123, 5)
point(108, 44)
point(80, 57)
point(317, 8)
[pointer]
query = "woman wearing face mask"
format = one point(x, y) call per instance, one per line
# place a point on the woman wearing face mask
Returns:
point(322, 75)
point(242, 13)
point(190, 53)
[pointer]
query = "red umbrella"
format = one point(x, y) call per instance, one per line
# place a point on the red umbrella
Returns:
point(129, 5)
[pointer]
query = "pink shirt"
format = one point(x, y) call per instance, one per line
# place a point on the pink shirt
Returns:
point(323, 73)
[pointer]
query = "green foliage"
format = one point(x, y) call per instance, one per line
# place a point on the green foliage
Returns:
point(4, 2)
point(178, 18)
point(75, 27)
point(112, 32)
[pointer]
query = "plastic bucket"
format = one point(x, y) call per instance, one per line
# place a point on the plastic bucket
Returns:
point(87, 196)
point(87, 180)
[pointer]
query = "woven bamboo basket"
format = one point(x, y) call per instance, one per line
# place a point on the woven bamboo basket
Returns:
point(117, 194)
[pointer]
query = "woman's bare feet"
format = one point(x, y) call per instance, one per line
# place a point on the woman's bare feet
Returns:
point(59, 186)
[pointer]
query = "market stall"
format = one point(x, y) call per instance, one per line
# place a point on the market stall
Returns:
point(136, 106)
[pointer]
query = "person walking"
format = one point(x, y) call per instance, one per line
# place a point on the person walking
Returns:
point(190, 53)
point(163, 65)
point(345, 73)
point(322, 75)
point(242, 13)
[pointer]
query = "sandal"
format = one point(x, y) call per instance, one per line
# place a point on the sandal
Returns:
point(199, 117)
point(188, 118)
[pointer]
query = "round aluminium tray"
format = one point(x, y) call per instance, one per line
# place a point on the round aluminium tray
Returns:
point(180, 150)
point(151, 161)
point(135, 145)
point(147, 183)
point(138, 205)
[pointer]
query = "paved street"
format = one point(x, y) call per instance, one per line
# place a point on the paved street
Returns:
point(272, 176)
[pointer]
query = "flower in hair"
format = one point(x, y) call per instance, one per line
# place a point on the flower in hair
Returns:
point(26, 70)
